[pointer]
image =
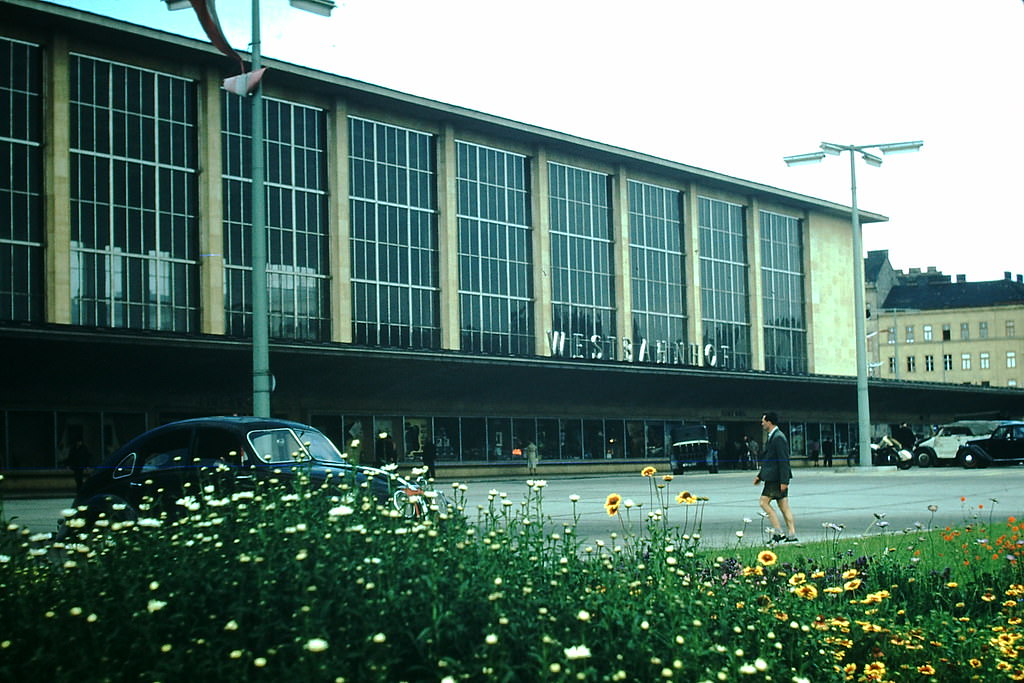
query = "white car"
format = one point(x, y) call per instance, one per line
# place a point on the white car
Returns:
point(942, 448)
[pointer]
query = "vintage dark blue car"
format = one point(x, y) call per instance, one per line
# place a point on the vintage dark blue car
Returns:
point(1004, 445)
point(163, 465)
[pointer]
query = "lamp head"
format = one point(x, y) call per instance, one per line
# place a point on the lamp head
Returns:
point(321, 7)
point(899, 147)
point(797, 159)
point(178, 4)
point(871, 159)
point(833, 149)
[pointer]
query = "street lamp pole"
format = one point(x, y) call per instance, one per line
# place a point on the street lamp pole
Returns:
point(863, 407)
point(262, 379)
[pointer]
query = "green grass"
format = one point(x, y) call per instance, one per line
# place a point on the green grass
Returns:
point(323, 585)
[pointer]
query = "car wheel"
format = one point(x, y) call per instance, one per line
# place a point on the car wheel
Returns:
point(968, 458)
point(925, 457)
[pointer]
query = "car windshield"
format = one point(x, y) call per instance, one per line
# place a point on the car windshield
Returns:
point(278, 445)
point(319, 446)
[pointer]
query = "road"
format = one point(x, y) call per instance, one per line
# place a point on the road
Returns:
point(850, 497)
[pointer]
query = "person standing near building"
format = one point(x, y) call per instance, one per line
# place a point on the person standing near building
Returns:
point(753, 453)
point(775, 474)
point(532, 457)
point(428, 451)
point(828, 449)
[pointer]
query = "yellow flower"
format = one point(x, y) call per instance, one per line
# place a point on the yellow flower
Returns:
point(667, 477)
point(849, 574)
point(797, 579)
point(767, 558)
point(807, 591)
point(648, 472)
point(926, 669)
point(851, 585)
point(875, 671)
point(686, 497)
point(752, 571)
point(975, 663)
point(612, 503)
point(952, 584)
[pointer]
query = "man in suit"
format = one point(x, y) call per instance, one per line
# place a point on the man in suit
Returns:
point(775, 473)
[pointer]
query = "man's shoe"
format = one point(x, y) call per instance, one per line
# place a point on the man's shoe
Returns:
point(776, 537)
point(791, 539)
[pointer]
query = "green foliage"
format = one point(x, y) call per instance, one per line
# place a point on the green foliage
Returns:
point(324, 585)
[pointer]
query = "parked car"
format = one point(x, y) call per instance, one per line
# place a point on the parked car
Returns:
point(942, 448)
point(167, 463)
point(691, 449)
point(1004, 445)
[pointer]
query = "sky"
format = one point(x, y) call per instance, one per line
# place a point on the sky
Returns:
point(730, 86)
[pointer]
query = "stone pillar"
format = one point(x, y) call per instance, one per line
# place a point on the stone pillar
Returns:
point(57, 185)
point(755, 284)
point(339, 221)
point(211, 204)
point(448, 239)
point(691, 247)
point(620, 254)
point(541, 210)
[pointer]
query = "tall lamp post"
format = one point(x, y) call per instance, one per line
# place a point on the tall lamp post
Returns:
point(863, 410)
point(251, 83)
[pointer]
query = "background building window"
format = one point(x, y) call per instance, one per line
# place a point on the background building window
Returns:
point(583, 279)
point(910, 334)
point(983, 360)
point(965, 330)
point(724, 287)
point(133, 197)
point(911, 364)
point(929, 363)
point(927, 331)
point(965, 361)
point(1011, 329)
point(296, 218)
point(21, 182)
point(946, 333)
point(983, 330)
point(782, 275)
point(495, 251)
point(947, 361)
point(892, 365)
point(657, 263)
point(1011, 359)
point(393, 203)
point(890, 335)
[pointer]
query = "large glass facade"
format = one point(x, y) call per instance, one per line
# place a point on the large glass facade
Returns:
point(133, 197)
point(582, 277)
point(296, 218)
point(782, 286)
point(657, 263)
point(723, 274)
point(21, 182)
point(495, 259)
point(394, 236)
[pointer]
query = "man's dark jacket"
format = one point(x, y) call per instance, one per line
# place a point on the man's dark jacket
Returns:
point(775, 461)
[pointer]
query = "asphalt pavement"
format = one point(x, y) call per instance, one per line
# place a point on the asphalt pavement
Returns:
point(863, 501)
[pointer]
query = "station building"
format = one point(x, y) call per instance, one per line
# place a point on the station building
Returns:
point(434, 272)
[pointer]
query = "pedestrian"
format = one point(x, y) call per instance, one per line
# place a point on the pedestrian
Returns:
point(429, 454)
point(78, 460)
point(752, 454)
point(775, 474)
point(532, 457)
point(813, 451)
point(828, 449)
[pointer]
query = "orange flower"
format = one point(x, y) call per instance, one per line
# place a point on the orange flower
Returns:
point(648, 472)
point(875, 671)
point(686, 497)
point(926, 669)
point(797, 579)
point(612, 503)
point(767, 558)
